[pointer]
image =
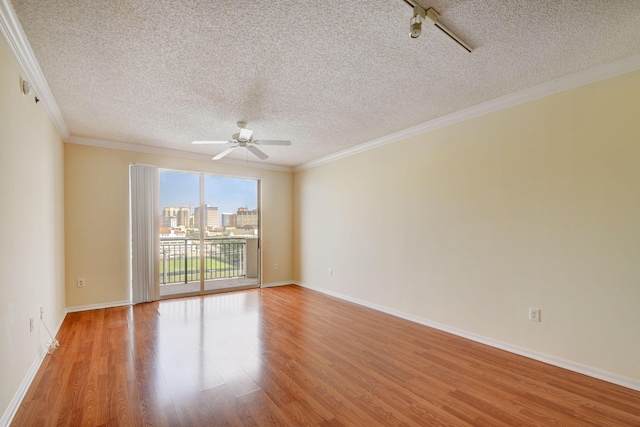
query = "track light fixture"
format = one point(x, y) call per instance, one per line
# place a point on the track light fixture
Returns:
point(416, 22)
point(429, 17)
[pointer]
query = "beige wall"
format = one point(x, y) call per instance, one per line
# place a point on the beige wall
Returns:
point(31, 224)
point(468, 226)
point(97, 219)
point(537, 205)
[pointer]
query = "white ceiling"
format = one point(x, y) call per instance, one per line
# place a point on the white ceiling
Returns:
point(327, 75)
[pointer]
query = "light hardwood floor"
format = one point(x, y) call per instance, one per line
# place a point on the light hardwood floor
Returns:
point(290, 356)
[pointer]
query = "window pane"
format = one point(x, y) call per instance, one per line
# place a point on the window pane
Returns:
point(179, 234)
point(231, 238)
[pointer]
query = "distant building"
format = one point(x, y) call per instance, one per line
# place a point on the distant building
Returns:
point(210, 217)
point(171, 232)
point(245, 217)
point(229, 220)
point(183, 217)
point(175, 217)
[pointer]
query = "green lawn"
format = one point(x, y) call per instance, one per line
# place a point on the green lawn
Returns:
point(176, 266)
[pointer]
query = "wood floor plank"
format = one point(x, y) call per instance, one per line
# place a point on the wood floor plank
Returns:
point(262, 411)
point(225, 408)
point(293, 357)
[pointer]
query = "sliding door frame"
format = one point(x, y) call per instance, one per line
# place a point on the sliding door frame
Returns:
point(202, 235)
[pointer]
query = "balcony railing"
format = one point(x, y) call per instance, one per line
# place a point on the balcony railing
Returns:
point(180, 259)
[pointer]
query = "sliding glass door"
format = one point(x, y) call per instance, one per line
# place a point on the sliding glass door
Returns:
point(230, 244)
point(208, 233)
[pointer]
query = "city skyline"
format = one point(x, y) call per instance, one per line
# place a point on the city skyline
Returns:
point(181, 189)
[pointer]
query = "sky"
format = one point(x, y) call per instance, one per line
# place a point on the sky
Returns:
point(178, 189)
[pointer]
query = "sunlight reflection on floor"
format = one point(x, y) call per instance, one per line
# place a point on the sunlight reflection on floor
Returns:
point(224, 348)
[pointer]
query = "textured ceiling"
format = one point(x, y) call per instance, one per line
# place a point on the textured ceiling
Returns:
point(327, 75)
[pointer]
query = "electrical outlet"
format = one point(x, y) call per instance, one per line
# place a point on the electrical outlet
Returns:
point(31, 324)
point(330, 271)
point(534, 314)
point(275, 266)
point(81, 283)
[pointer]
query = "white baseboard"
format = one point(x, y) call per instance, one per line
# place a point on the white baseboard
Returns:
point(274, 284)
point(542, 357)
point(97, 306)
point(8, 415)
point(11, 410)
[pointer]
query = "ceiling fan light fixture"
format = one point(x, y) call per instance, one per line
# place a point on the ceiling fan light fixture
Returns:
point(245, 134)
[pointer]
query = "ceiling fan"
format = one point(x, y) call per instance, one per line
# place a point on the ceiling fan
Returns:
point(244, 139)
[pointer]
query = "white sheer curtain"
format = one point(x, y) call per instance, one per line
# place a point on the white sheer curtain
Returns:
point(144, 233)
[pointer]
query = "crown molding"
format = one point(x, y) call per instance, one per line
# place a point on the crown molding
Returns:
point(581, 78)
point(139, 148)
point(19, 45)
point(12, 31)
point(17, 40)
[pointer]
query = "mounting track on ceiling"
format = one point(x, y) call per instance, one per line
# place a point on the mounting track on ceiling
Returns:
point(431, 17)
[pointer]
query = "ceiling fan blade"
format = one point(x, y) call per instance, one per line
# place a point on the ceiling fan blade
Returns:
point(257, 152)
point(272, 142)
point(209, 142)
point(224, 153)
point(245, 134)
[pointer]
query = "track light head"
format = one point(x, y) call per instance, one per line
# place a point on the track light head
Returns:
point(416, 30)
point(416, 22)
